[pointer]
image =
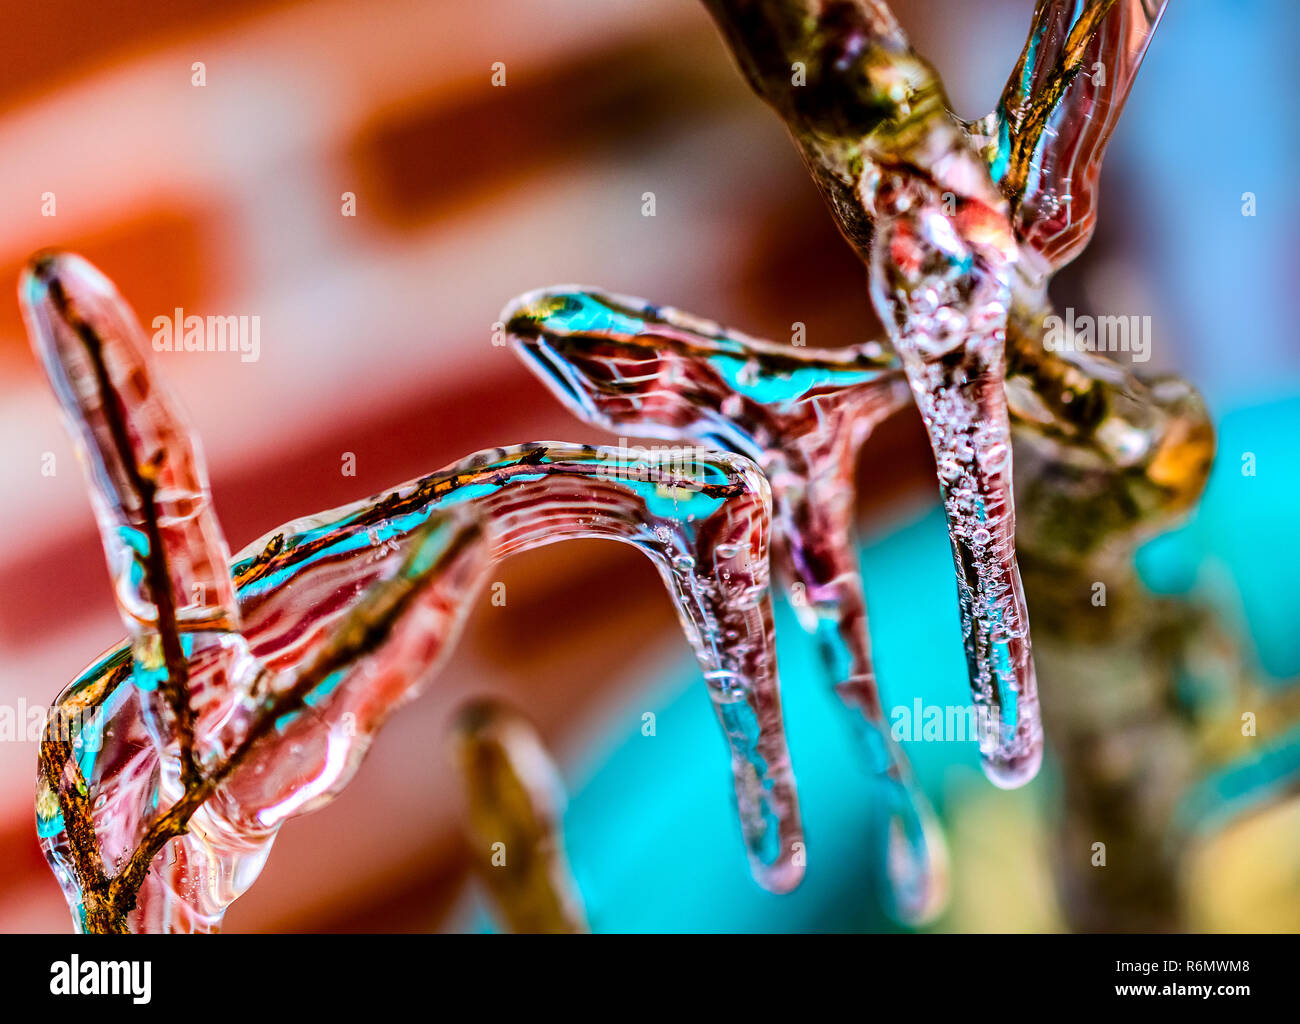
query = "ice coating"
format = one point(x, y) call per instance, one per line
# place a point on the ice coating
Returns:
point(871, 106)
point(940, 261)
point(346, 613)
point(802, 415)
point(1047, 137)
point(941, 283)
point(131, 855)
point(959, 225)
point(873, 126)
point(148, 488)
point(704, 523)
point(514, 803)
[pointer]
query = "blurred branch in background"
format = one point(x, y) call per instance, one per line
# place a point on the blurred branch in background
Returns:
point(514, 806)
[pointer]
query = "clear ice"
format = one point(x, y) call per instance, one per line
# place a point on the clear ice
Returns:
point(246, 693)
point(959, 226)
point(245, 697)
point(802, 415)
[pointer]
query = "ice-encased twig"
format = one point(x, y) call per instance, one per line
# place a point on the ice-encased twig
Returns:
point(514, 805)
point(916, 200)
point(109, 785)
point(166, 553)
point(802, 415)
point(978, 209)
point(867, 98)
point(295, 746)
point(703, 522)
point(1104, 456)
point(1048, 135)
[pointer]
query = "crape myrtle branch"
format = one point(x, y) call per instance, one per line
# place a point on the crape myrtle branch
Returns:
point(866, 100)
point(1026, 116)
point(360, 634)
point(142, 479)
point(702, 516)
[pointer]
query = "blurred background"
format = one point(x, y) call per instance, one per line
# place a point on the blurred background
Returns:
point(226, 198)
